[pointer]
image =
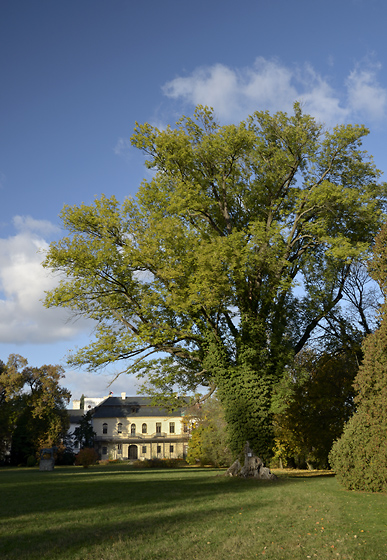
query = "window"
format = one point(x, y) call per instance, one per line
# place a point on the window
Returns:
point(119, 449)
point(143, 449)
point(171, 427)
point(144, 428)
point(185, 427)
point(133, 429)
point(159, 449)
point(119, 428)
point(104, 450)
point(158, 427)
point(171, 449)
point(104, 428)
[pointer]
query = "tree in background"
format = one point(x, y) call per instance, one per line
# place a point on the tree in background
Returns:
point(84, 433)
point(192, 283)
point(208, 444)
point(316, 397)
point(37, 407)
point(359, 456)
point(312, 405)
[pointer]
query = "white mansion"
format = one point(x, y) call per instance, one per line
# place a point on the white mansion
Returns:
point(132, 428)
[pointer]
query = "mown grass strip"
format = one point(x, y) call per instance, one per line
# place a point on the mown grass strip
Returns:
point(115, 512)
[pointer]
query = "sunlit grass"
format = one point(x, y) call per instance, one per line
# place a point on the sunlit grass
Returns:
point(109, 513)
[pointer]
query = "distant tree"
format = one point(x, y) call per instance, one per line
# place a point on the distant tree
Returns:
point(84, 433)
point(208, 443)
point(11, 384)
point(36, 404)
point(313, 405)
point(359, 456)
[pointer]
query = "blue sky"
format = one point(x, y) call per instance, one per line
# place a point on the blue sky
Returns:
point(76, 75)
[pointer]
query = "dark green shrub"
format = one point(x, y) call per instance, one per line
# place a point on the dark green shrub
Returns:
point(359, 457)
point(31, 461)
point(65, 458)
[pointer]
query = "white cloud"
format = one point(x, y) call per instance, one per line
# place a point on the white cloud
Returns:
point(29, 224)
point(269, 85)
point(122, 147)
point(23, 281)
point(365, 95)
point(97, 384)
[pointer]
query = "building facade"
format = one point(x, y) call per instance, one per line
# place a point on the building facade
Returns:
point(132, 428)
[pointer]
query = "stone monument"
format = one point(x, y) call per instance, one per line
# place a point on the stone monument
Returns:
point(252, 468)
point(47, 459)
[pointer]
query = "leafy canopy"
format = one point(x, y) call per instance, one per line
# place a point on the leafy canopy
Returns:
point(32, 408)
point(193, 282)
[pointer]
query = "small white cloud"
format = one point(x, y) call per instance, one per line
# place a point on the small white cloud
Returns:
point(319, 99)
point(213, 86)
point(23, 282)
point(365, 94)
point(269, 85)
point(98, 384)
point(122, 147)
point(29, 224)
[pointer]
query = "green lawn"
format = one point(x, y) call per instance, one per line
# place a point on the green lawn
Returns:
point(113, 512)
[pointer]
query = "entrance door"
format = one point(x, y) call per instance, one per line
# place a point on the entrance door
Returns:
point(132, 452)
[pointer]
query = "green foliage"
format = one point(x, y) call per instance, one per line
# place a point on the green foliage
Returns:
point(86, 457)
point(312, 405)
point(192, 283)
point(209, 441)
point(31, 461)
point(359, 457)
point(33, 405)
point(84, 433)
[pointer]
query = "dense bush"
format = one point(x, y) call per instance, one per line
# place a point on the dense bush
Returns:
point(359, 457)
point(31, 461)
point(66, 457)
point(86, 457)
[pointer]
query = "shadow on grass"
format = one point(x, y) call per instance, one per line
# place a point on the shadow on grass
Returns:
point(52, 515)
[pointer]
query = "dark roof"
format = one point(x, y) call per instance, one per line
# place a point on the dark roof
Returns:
point(116, 407)
point(75, 415)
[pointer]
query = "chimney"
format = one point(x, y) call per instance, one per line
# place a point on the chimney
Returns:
point(123, 396)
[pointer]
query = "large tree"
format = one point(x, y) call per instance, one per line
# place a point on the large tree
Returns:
point(32, 406)
point(194, 281)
